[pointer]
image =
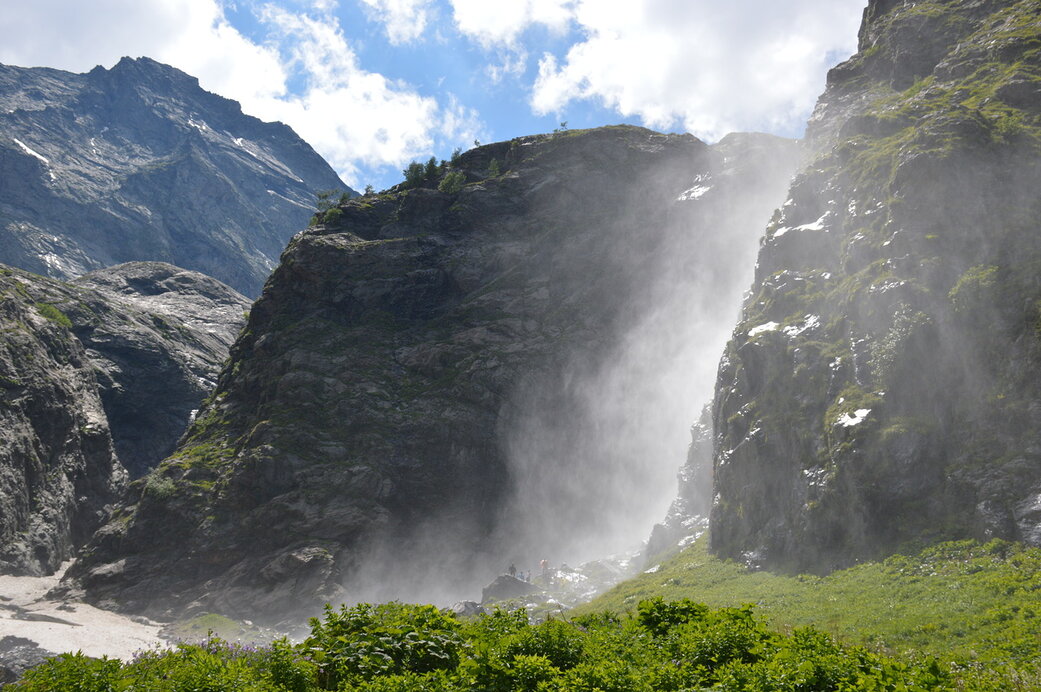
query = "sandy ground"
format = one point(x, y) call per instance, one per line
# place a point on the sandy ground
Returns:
point(69, 626)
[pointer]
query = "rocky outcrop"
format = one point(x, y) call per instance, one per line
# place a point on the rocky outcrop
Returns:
point(139, 163)
point(422, 384)
point(17, 655)
point(688, 514)
point(880, 391)
point(158, 337)
point(506, 587)
point(59, 474)
point(109, 368)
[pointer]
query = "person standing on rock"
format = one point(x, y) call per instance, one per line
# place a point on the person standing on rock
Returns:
point(512, 571)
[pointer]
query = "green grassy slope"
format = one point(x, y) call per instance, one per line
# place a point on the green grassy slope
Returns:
point(962, 601)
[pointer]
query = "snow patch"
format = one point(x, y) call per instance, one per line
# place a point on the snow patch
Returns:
point(818, 225)
point(700, 188)
point(241, 143)
point(768, 327)
point(291, 201)
point(809, 322)
point(848, 420)
point(31, 152)
point(652, 570)
point(886, 286)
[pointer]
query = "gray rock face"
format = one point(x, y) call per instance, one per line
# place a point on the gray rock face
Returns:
point(419, 384)
point(110, 367)
point(59, 474)
point(881, 391)
point(139, 163)
point(158, 336)
point(506, 587)
point(18, 655)
point(688, 515)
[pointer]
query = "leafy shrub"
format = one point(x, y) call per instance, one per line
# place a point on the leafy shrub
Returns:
point(388, 639)
point(72, 672)
point(452, 182)
point(493, 168)
point(332, 216)
point(658, 616)
point(402, 648)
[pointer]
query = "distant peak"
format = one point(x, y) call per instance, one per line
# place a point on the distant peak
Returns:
point(148, 66)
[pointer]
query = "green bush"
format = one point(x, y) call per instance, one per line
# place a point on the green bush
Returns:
point(403, 648)
point(332, 216)
point(452, 182)
point(393, 638)
point(73, 673)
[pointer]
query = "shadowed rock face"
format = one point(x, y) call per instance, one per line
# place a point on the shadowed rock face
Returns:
point(880, 390)
point(108, 368)
point(139, 163)
point(158, 336)
point(59, 474)
point(370, 421)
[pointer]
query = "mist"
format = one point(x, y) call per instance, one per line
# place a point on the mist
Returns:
point(592, 440)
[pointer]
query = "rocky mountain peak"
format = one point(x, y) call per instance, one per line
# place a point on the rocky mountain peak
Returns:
point(137, 162)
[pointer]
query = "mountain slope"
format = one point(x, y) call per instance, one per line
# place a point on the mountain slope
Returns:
point(880, 391)
point(139, 163)
point(437, 379)
point(102, 371)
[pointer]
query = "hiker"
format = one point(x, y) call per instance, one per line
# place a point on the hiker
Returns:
point(512, 571)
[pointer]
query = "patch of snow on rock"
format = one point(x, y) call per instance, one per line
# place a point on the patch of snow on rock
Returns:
point(809, 322)
point(848, 420)
point(31, 152)
point(768, 327)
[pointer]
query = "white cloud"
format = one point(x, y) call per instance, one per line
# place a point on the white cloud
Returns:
point(360, 121)
point(356, 118)
point(502, 21)
point(405, 20)
point(708, 66)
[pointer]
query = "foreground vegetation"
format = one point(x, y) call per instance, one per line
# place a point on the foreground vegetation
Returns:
point(956, 616)
point(964, 601)
point(665, 646)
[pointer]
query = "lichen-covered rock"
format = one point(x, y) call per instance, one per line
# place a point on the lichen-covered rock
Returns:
point(881, 389)
point(122, 357)
point(137, 162)
point(411, 398)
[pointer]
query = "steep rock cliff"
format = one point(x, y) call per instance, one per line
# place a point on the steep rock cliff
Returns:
point(58, 471)
point(417, 389)
point(107, 369)
point(881, 391)
point(139, 163)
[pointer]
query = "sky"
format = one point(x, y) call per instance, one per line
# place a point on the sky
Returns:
point(374, 84)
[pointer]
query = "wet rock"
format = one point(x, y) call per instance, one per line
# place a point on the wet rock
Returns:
point(908, 412)
point(505, 588)
point(467, 609)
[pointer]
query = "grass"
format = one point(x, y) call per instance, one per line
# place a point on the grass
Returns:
point(964, 602)
point(54, 314)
